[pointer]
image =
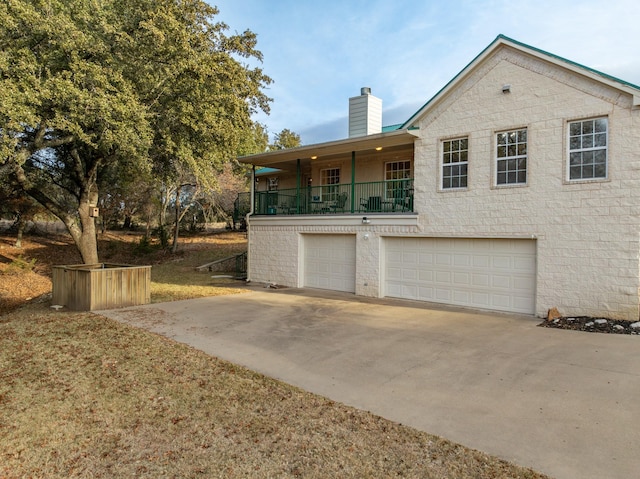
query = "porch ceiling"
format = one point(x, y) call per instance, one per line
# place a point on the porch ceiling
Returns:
point(286, 159)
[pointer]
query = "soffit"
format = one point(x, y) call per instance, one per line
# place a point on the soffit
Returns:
point(287, 159)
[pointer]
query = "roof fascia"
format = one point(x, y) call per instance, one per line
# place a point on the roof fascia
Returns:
point(369, 142)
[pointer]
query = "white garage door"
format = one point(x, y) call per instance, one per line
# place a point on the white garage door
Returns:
point(330, 262)
point(495, 274)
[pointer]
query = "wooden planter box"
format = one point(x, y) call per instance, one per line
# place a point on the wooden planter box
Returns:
point(89, 287)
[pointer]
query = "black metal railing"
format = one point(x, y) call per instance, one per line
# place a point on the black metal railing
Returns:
point(392, 196)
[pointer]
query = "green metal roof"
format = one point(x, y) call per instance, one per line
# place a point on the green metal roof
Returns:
point(267, 171)
point(391, 127)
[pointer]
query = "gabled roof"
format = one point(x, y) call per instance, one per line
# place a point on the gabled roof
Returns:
point(502, 40)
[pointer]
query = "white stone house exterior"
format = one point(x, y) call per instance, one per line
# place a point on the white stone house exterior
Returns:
point(515, 188)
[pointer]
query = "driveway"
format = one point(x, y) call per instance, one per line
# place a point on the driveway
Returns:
point(565, 403)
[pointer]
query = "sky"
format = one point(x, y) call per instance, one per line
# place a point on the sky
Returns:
point(320, 53)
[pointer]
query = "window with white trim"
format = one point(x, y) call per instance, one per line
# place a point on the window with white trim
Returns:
point(511, 157)
point(397, 176)
point(328, 178)
point(588, 149)
point(455, 162)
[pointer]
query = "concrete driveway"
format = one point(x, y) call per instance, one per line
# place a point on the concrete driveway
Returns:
point(565, 403)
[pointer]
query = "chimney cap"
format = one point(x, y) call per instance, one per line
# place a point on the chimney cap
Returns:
point(365, 90)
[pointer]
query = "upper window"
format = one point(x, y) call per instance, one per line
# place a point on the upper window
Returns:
point(397, 176)
point(588, 149)
point(455, 160)
point(511, 157)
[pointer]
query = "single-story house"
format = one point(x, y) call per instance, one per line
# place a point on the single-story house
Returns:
point(515, 188)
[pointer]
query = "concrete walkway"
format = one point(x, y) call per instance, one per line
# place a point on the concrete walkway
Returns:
point(565, 403)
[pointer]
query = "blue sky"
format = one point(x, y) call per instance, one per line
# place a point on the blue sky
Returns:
point(321, 52)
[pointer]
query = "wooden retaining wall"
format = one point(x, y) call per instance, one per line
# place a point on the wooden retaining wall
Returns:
point(101, 286)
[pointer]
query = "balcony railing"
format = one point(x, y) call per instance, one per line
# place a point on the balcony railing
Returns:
point(393, 196)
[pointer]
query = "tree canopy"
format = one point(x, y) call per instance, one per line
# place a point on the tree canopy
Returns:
point(108, 90)
point(285, 139)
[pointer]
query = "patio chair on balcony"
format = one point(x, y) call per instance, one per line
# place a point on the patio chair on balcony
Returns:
point(372, 204)
point(402, 204)
point(340, 203)
point(287, 206)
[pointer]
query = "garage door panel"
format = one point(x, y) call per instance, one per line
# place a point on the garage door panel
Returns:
point(394, 274)
point(425, 259)
point(443, 259)
point(443, 295)
point(523, 263)
point(463, 279)
point(485, 273)
point(502, 262)
point(480, 280)
point(462, 260)
point(500, 301)
point(409, 291)
point(410, 257)
point(394, 256)
point(461, 296)
point(481, 261)
point(524, 303)
point(425, 275)
point(411, 274)
point(443, 277)
point(521, 283)
point(501, 281)
point(330, 262)
point(481, 299)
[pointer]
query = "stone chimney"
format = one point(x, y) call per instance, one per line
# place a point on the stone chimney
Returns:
point(365, 114)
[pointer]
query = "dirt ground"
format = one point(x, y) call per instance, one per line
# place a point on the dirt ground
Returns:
point(25, 273)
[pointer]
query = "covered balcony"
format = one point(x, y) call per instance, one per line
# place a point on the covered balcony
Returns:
point(370, 174)
point(393, 196)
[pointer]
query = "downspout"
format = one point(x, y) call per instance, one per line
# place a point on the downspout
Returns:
point(252, 198)
point(353, 182)
point(253, 192)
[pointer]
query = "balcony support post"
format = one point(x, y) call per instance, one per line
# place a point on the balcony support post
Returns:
point(353, 181)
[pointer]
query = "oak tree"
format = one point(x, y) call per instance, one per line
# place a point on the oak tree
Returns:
point(97, 89)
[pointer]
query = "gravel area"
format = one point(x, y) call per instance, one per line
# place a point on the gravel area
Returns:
point(593, 325)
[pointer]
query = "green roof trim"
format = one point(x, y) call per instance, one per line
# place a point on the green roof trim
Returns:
point(267, 171)
point(391, 127)
point(528, 47)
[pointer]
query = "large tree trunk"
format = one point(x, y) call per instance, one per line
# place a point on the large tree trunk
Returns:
point(84, 234)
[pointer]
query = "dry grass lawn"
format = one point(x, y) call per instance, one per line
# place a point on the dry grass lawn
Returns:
point(84, 396)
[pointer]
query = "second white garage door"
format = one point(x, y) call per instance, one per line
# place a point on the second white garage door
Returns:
point(495, 274)
point(330, 262)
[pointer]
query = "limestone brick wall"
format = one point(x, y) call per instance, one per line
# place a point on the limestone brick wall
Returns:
point(587, 232)
point(273, 255)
